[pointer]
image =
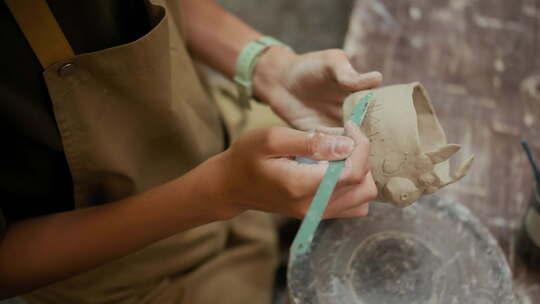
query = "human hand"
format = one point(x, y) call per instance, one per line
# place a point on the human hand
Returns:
point(308, 90)
point(259, 172)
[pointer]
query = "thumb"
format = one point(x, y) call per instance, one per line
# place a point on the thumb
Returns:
point(353, 81)
point(316, 145)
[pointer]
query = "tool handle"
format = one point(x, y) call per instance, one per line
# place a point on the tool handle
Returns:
point(304, 237)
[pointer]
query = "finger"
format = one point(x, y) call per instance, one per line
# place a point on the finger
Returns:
point(357, 82)
point(352, 199)
point(339, 67)
point(357, 165)
point(350, 79)
point(330, 130)
point(299, 181)
point(281, 141)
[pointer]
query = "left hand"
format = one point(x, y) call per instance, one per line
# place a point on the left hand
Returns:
point(308, 90)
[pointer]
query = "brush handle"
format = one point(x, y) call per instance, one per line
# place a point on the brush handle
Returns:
point(536, 172)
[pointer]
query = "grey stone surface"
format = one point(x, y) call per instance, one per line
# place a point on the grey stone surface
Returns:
point(306, 25)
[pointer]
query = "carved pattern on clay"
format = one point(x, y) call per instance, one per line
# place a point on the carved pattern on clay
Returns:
point(409, 153)
point(393, 162)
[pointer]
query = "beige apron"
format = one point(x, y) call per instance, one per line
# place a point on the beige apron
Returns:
point(132, 117)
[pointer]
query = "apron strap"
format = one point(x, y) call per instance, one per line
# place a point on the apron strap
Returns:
point(41, 30)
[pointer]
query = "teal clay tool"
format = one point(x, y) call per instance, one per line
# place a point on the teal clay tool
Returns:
point(302, 241)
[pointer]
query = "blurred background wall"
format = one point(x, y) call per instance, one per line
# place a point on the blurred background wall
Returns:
point(306, 25)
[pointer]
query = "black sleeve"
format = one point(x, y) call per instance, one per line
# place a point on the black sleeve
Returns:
point(3, 224)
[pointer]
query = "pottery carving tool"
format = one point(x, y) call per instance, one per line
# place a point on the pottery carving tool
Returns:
point(304, 237)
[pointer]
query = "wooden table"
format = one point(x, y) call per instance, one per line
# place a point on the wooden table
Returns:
point(480, 61)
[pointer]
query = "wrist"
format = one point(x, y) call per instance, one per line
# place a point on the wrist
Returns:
point(270, 70)
point(215, 180)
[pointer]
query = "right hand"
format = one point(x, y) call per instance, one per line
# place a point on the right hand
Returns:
point(259, 172)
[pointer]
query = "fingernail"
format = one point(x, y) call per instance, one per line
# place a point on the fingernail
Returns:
point(343, 146)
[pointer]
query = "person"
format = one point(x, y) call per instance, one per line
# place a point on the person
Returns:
point(117, 182)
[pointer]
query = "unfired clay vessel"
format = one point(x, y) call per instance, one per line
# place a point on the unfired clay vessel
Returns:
point(409, 153)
